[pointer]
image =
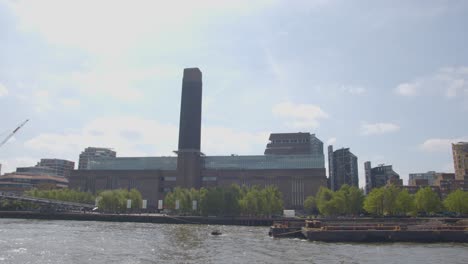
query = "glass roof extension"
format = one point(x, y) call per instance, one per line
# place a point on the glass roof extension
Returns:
point(264, 162)
point(133, 163)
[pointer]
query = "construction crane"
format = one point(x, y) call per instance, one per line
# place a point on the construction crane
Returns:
point(13, 133)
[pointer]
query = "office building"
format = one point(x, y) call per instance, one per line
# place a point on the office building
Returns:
point(60, 167)
point(20, 182)
point(380, 176)
point(342, 168)
point(91, 153)
point(460, 159)
point(426, 178)
point(294, 144)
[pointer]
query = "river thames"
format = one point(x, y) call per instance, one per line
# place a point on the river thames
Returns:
point(39, 241)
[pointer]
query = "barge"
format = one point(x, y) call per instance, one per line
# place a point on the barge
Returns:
point(287, 229)
point(374, 230)
point(427, 233)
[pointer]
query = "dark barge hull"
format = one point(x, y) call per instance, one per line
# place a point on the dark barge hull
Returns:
point(422, 236)
point(286, 232)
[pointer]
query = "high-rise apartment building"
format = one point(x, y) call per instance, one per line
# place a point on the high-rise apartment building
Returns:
point(342, 168)
point(460, 160)
point(91, 153)
point(60, 167)
point(380, 176)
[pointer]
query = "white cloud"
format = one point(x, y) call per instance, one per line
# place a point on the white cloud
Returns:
point(440, 144)
point(300, 116)
point(68, 102)
point(378, 128)
point(134, 136)
point(218, 140)
point(331, 141)
point(3, 90)
point(407, 89)
point(449, 82)
point(114, 34)
point(355, 90)
point(112, 27)
point(43, 100)
point(157, 139)
point(10, 164)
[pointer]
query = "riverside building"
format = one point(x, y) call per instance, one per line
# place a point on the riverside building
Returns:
point(293, 162)
point(342, 168)
point(59, 167)
point(460, 160)
point(380, 176)
point(424, 178)
point(91, 153)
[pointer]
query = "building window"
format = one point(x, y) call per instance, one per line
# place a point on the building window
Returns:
point(209, 178)
point(170, 178)
point(165, 189)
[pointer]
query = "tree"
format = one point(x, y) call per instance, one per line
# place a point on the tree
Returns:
point(310, 205)
point(390, 194)
point(404, 202)
point(457, 202)
point(136, 198)
point(426, 200)
point(325, 202)
point(116, 200)
point(273, 203)
point(348, 200)
point(374, 202)
point(62, 195)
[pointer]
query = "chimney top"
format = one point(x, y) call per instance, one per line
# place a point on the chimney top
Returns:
point(192, 75)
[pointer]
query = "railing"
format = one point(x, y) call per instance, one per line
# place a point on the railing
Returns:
point(45, 201)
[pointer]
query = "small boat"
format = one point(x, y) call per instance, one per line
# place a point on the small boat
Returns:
point(215, 233)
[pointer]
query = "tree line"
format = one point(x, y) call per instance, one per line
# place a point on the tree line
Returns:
point(389, 200)
point(226, 201)
point(107, 201)
point(67, 195)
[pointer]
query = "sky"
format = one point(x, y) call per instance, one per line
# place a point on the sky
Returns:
point(388, 79)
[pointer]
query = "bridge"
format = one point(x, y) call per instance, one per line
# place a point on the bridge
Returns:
point(47, 203)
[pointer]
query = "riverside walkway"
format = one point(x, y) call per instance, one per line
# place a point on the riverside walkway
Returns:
point(47, 202)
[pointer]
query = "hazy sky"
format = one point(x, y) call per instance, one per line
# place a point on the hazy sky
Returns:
point(389, 79)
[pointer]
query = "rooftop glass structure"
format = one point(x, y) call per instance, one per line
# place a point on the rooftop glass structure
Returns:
point(264, 162)
point(212, 162)
point(134, 163)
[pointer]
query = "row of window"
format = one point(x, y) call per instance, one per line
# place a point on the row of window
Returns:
point(169, 178)
point(279, 141)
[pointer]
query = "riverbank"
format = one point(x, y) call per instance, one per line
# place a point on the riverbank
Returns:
point(142, 218)
point(168, 219)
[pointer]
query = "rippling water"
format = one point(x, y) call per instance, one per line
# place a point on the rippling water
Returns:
point(36, 241)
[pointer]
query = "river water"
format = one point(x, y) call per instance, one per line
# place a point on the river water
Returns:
point(40, 241)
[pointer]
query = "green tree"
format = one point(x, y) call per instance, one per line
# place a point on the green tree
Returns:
point(116, 200)
point(426, 200)
point(374, 202)
point(310, 205)
point(404, 203)
point(348, 200)
point(457, 202)
point(272, 201)
point(136, 198)
point(390, 194)
point(62, 195)
point(327, 204)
